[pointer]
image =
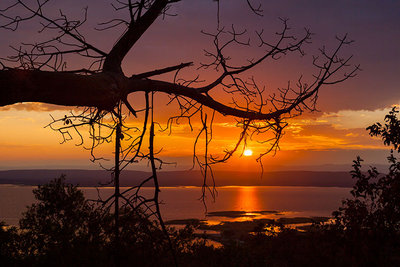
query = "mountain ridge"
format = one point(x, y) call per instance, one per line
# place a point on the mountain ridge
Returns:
point(182, 178)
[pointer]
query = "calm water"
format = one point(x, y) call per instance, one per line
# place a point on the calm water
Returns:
point(183, 202)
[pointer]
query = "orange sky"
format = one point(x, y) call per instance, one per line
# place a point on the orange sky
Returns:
point(25, 142)
point(334, 135)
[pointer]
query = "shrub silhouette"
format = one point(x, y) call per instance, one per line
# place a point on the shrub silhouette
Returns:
point(65, 229)
point(369, 223)
point(375, 206)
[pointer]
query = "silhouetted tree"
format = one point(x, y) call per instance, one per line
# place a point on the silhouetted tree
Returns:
point(376, 203)
point(63, 228)
point(376, 197)
point(369, 223)
point(37, 72)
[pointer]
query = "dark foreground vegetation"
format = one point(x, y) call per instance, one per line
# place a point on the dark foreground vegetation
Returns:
point(65, 229)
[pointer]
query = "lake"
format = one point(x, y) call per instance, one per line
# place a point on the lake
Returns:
point(184, 203)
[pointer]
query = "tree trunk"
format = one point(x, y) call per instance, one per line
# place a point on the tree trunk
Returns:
point(101, 90)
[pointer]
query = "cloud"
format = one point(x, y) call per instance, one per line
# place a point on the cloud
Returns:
point(321, 134)
point(33, 106)
point(353, 119)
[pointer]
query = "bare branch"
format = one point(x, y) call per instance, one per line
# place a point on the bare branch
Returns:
point(135, 30)
point(162, 71)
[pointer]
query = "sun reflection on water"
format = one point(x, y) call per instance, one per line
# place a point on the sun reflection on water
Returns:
point(247, 200)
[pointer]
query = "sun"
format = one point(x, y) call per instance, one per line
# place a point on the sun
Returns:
point(248, 152)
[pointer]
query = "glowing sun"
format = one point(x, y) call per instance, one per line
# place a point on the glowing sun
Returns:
point(248, 152)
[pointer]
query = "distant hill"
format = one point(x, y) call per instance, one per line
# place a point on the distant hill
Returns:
point(183, 178)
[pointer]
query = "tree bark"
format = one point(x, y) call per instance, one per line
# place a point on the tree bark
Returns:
point(101, 90)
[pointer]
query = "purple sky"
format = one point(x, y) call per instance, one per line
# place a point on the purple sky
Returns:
point(373, 25)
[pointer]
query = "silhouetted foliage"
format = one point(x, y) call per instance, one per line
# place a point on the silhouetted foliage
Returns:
point(376, 197)
point(376, 203)
point(370, 221)
point(62, 227)
point(9, 243)
point(390, 132)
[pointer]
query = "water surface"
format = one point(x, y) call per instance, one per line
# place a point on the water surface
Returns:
point(184, 203)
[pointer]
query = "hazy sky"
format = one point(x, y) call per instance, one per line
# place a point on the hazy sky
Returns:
point(334, 135)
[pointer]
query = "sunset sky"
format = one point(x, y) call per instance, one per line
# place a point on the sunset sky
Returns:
point(333, 135)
